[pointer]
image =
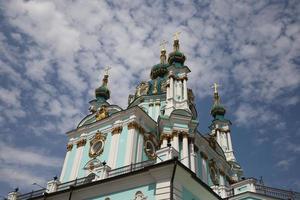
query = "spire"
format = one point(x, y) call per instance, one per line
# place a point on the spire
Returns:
point(217, 111)
point(102, 92)
point(163, 57)
point(216, 94)
point(161, 69)
point(176, 57)
point(176, 41)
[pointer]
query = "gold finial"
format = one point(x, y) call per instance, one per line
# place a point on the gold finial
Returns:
point(163, 57)
point(176, 35)
point(106, 70)
point(215, 87)
point(163, 45)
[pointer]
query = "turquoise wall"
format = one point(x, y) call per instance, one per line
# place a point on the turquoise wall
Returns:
point(188, 195)
point(129, 194)
point(85, 155)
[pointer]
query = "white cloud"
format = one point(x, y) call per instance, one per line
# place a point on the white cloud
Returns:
point(285, 163)
point(22, 157)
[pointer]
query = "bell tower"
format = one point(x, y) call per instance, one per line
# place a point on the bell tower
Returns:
point(177, 92)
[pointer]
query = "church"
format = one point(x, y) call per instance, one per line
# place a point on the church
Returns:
point(152, 150)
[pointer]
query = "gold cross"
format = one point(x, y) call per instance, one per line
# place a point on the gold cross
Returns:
point(163, 44)
point(107, 69)
point(176, 35)
point(215, 86)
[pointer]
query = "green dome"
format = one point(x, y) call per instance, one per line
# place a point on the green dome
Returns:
point(159, 70)
point(176, 57)
point(102, 92)
point(217, 110)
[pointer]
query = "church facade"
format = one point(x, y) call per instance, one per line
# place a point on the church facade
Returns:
point(152, 149)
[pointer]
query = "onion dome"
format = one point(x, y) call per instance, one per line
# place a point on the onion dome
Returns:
point(176, 56)
point(217, 111)
point(161, 69)
point(103, 92)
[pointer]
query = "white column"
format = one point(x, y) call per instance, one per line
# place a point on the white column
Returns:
point(185, 151)
point(130, 146)
point(178, 90)
point(192, 157)
point(171, 87)
point(164, 141)
point(184, 90)
point(218, 137)
point(175, 142)
point(229, 141)
point(63, 171)
point(77, 159)
point(168, 92)
point(204, 171)
point(113, 151)
point(140, 148)
point(80, 152)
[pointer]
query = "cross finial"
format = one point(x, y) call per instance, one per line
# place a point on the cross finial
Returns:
point(163, 44)
point(106, 70)
point(215, 87)
point(176, 35)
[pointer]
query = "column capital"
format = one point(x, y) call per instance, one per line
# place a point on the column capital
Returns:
point(133, 125)
point(203, 155)
point(117, 130)
point(81, 143)
point(69, 147)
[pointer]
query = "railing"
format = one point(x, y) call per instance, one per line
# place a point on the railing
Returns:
point(268, 191)
point(130, 168)
point(87, 179)
point(278, 193)
point(32, 194)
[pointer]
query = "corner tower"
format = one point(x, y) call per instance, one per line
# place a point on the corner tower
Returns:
point(220, 132)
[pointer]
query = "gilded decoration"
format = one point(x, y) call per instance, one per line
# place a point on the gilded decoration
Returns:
point(150, 148)
point(117, 130)
point(69, 147)
point(165, 136)
point(142, 89)
point(155, 91)
point(81, 143)
point(101, 113)
point(213, 172)
point(133, 125)
point(97, 145)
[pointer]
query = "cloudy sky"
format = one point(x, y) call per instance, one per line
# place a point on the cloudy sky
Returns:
point(52, 55)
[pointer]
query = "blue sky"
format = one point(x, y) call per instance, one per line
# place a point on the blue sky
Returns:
point(52, 55)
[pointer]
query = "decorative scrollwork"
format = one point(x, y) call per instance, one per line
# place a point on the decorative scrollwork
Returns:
point(142, 89)
point(101, 113)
